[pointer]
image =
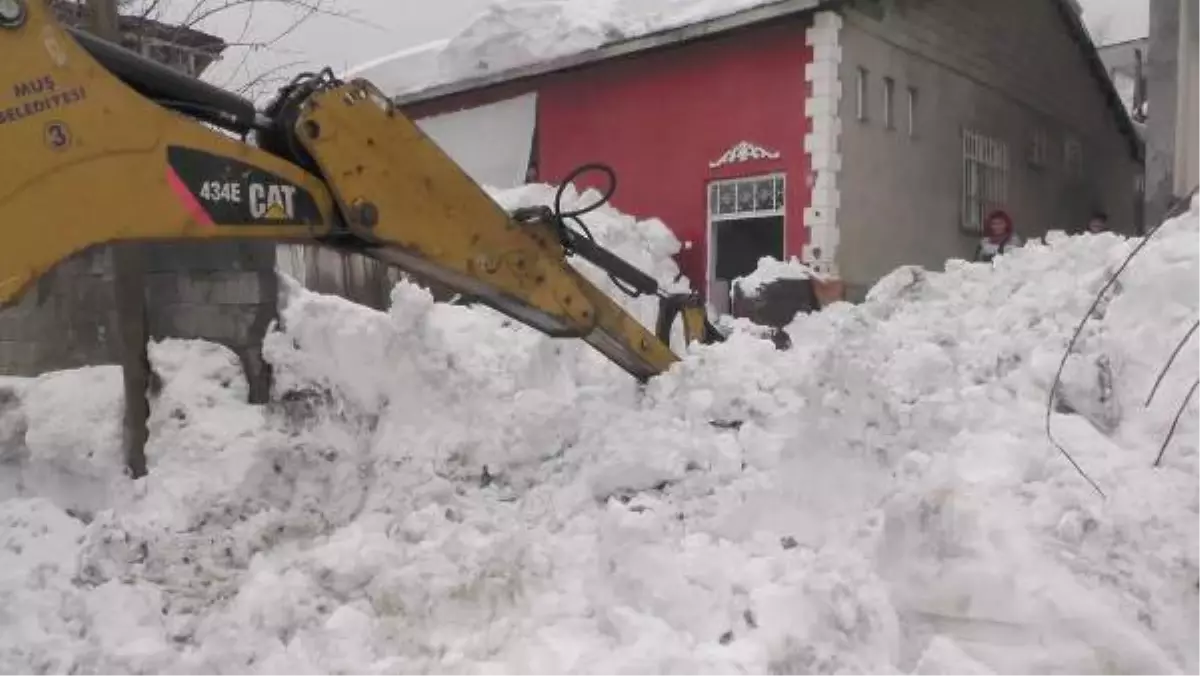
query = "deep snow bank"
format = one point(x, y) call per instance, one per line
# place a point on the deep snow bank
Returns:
point(438, 490)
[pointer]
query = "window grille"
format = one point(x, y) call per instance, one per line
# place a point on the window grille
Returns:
point(746, 197)
point(985, 178)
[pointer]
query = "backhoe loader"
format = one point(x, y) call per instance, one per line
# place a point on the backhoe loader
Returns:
point(102, 146)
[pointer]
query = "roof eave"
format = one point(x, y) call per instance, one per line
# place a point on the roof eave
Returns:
point(1112, 99)
point(748, 17)
point(671, 36)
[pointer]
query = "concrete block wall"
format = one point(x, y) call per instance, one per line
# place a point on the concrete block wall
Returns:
point(225, 292)
point(64, 321)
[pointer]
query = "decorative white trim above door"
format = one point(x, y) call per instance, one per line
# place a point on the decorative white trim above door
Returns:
point(744, 151)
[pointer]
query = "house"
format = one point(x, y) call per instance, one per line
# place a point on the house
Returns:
point(1125, 62)
point(856, 136)
point(185, 49)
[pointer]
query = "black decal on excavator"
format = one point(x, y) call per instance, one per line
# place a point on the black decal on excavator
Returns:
point(236, 193)
point(41, 95)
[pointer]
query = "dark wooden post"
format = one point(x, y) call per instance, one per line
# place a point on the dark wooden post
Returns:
point(130, 299)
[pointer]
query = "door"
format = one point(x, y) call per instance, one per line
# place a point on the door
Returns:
point(746, 223)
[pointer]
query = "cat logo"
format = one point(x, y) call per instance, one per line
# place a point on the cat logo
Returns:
point(272, 202)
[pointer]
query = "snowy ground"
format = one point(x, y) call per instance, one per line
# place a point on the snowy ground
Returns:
point(440, 491)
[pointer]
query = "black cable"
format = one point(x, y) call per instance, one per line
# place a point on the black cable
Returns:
point(605, 195)
point(561, 217)
point(191, 109)
point(1175, 423)
point(1167, 367)
point(1176, 209)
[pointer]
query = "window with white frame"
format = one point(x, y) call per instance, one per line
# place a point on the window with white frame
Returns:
point(985, 178)
point(746, 197)
point(889, 93)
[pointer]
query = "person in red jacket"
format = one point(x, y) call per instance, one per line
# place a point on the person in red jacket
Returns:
point(998, 236)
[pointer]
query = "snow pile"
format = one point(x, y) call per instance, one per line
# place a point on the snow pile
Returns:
point(438, 490)
point(409, 69)
point(74, 454)
point(771, 270)
point(513, 33)
point(647, 244)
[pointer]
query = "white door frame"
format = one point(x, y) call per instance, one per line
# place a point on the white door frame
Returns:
point(712, 218)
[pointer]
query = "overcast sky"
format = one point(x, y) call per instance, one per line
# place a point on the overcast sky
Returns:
point(378, 27)
point(1117, 20)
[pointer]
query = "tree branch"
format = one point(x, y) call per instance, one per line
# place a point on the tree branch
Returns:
point(185, 15)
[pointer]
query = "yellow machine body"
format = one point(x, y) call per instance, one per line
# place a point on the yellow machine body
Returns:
point(95, 156)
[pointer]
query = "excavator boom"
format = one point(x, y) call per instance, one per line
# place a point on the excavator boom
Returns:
point(105, 146)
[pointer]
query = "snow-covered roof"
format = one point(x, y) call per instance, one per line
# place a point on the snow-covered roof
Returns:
point(514, 39)
point(406, 70)
point(517, 38)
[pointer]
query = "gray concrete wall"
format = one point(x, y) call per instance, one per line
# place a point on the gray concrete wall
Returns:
point(64, 321)
point(223, 292)
point(1005, 69)
point(1162, 96)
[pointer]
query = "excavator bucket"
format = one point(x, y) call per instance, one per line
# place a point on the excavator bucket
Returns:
point(690, 311)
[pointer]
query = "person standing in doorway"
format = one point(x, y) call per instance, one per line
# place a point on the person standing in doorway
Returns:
point(998, 236)
point(1097, 224)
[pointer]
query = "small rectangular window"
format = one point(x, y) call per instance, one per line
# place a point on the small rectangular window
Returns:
point(746, 197)
point(912, 111)
point(1039, 148)
point(1073, 157)
point(861, 100)
point(985, 178)
point(889, 93)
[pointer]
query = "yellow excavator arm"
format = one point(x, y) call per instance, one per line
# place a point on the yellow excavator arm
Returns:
point(104, 146)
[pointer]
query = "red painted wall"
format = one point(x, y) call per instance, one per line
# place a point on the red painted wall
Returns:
point(658, 118)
